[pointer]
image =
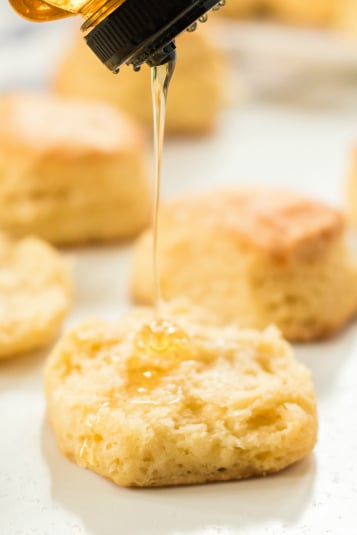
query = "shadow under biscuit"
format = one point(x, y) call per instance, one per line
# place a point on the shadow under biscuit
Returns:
point(217, 508)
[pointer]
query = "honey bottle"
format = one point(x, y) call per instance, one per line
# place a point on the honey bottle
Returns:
point(125, 31)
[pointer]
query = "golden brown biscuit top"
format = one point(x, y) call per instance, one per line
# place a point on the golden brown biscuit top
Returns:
point(44, 123)
point(278, 222)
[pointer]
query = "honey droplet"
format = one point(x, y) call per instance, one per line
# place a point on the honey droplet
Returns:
point(160, 346)
point(162, 337)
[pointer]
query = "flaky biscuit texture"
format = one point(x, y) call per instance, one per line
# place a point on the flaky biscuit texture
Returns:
point(236, 404)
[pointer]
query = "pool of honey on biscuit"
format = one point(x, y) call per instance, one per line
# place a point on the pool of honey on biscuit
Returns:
point(159, 348)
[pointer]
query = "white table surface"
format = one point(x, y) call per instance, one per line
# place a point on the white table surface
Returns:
point(43, 493)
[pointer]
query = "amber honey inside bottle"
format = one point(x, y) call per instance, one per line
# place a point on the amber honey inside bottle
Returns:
point(47, 10)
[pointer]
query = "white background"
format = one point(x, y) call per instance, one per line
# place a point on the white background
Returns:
point(284, 142)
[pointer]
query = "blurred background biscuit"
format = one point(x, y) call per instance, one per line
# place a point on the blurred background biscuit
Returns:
point(320, 13)
point(244, 8)
point(197, 91)
point(71, 171)
point(254, 257)
point(346, 16)
point(340, 14)
point(35, 292)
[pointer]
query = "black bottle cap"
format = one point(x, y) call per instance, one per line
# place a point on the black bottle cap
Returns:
point(142, 31)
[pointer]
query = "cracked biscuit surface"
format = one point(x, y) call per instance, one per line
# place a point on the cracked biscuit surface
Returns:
point(221, 404)
point(254, 257)
point(35, 292)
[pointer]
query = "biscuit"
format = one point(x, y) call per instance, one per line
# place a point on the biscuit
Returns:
point(346, 16)
point(244, 8)
point(71, 171)
point(254, 258)
point(35, 292)
point(306, 13)
point(196, 93)
point(228, 404)
point(321, 13)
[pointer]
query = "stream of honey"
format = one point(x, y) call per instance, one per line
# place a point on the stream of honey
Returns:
point(160, 81)
point(161, 344)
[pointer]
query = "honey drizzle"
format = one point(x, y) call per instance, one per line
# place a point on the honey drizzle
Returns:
point(159, 348)
point(160, 80)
